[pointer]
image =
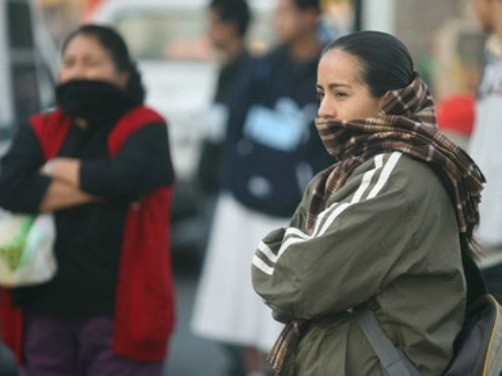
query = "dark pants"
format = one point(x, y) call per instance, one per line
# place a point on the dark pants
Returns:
point(77, 347)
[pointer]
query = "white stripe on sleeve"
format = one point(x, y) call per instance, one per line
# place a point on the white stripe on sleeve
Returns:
point(265, 249)
point(328, 216)
point(262, 266)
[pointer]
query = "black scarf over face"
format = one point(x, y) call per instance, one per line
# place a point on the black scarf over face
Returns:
point(97, 102)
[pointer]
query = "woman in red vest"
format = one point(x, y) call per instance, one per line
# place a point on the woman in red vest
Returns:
point(101, 163)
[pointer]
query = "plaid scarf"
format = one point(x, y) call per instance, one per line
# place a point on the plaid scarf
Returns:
point(406, 123)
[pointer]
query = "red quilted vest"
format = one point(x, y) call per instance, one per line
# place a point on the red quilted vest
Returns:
point(145, 306)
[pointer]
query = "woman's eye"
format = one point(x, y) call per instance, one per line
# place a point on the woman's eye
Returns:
point(320, 96)
point(340, 95)
point(92, 62)
point(67, 63)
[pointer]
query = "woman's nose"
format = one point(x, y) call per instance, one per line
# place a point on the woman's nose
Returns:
point(77, 71)
point(326, 109)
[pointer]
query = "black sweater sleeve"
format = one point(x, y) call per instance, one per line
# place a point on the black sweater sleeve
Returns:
point(142, 165)
point(22, 187)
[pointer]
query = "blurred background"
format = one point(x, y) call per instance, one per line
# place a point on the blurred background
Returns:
point(167, 38)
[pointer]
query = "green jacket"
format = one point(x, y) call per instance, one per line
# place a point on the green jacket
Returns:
point(388, 239)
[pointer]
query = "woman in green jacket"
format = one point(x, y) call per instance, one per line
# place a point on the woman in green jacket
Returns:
point(383, 228)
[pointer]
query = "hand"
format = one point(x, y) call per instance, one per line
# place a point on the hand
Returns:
point(47, 168)
point(65, 169)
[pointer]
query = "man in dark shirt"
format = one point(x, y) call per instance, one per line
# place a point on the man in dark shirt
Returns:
point(272, 150)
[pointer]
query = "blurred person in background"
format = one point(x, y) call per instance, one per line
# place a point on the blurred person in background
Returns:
point(272, 151)
point(228, 24)
point(100, 162)
point(486, 143)
point(364, 234)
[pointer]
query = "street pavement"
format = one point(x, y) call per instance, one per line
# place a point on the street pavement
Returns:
point(191, 355)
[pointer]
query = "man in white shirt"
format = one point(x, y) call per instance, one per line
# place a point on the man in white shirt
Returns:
point(486, 142)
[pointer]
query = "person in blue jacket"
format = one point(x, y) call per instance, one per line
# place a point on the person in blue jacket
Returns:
point(272, 151)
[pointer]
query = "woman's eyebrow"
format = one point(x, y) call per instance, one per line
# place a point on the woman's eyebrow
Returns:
point(338, 85)
point(334, 86)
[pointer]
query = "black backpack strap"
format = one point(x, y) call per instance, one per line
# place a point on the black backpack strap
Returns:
point(476, 285)
point(391, 358)
point(392, 361)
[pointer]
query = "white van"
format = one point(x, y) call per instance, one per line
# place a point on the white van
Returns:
point(27, 64)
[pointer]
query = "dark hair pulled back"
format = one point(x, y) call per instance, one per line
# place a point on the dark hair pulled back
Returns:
point(305, 4)
point(117, 48)
point(387, 64)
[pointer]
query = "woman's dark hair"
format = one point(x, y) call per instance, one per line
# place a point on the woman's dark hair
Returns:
point(387, 64)
point(305, 4)
point(233, 11)
point(116, 46)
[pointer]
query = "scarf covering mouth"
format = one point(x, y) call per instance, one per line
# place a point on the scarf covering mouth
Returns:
point(406, 123)
point(96, 101)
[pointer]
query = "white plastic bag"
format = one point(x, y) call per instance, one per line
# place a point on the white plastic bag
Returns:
point(26, 249)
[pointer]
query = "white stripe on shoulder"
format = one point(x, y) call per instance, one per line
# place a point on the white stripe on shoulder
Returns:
point(384, 176)
point(367, 179)
point(262, 266)
point(365, 183)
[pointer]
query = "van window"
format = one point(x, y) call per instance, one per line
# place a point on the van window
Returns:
point(179, 34)
point(20, 29)
point(157, 35)
point(22, 54)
